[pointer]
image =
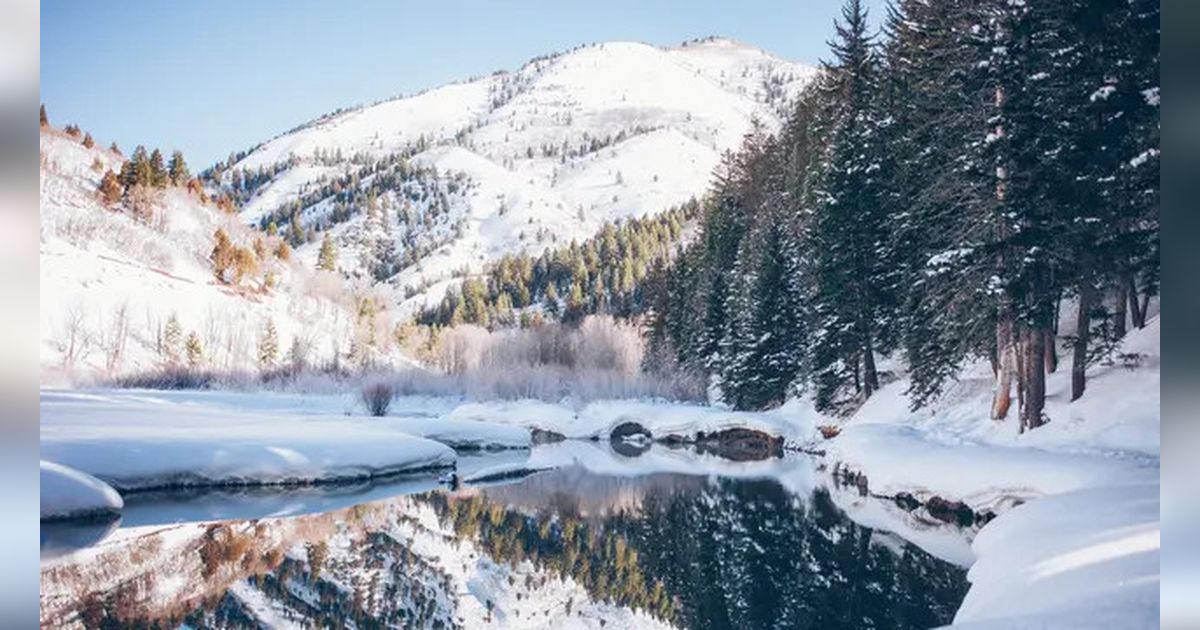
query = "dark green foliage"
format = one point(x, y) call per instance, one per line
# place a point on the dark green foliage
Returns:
point(941, 192)
point(603, 274)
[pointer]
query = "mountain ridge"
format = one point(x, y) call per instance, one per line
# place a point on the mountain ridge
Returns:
point(549, 152)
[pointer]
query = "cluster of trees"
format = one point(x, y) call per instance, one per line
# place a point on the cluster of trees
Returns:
point(144, 171)
point(940, 191)
point(397, 197)
point(603, 274)
point(233, 263)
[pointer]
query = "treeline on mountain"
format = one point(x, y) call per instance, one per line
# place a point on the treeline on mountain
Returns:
point(401, 200)
point(144, 171)
point(603, 274)
point(940, 192)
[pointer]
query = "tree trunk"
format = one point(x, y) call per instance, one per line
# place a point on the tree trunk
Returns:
point(1006, 365)
point(1134, 307)
point(1141, 322)
point(870, 377)
point(1119, 312)
point(1035, 379)
point(1051, 360)
point(1082, 336)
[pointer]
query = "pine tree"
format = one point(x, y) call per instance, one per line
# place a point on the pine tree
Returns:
point(195, 351)
point(172, 341)
point(853, 301)
point(940, 190)
point(327, 256)
point(88, 141)
point(110, 188)
point(177, 171)
point(45, 119)
point(268, 346)
point(223, 254)
point(158, 177)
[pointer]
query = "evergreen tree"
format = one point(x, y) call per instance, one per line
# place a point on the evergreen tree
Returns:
point(158, 176)
point(853, 299)
point(223, 254)
point(268, 346)
point(110, 188)
point(327, 256)
point(45, 119)
point(177, 171)
point(195, 351)
point(172, 341)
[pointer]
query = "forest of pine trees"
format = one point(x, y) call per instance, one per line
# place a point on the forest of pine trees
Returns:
point(942, 190)
point(607, 273)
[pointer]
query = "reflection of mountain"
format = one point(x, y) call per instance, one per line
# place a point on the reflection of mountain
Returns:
point(560, 548)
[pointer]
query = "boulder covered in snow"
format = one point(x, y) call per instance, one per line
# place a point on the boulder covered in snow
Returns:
point(69, 493)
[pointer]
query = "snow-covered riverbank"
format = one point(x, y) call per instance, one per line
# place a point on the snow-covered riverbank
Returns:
point(1075, 541)
point(1081, 547)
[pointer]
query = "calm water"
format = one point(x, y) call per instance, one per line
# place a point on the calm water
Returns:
point(687, 541)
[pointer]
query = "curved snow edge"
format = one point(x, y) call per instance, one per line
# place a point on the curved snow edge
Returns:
point(67, 493)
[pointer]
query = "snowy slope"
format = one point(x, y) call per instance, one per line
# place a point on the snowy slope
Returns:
point(110, 281)
point(553, 150)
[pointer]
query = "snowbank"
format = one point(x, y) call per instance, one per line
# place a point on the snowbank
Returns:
point(899, 459)
point(793, 421)
point(1087, 559)
point(141, 442)
point(68, 493)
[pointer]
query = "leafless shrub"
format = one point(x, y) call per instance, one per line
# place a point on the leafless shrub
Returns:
point(74, 340)
point(377, 397)
point(113, 338)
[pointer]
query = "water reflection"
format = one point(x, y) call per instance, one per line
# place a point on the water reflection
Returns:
point(636, 549)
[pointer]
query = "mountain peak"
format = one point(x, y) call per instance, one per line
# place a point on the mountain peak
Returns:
point(541, 156)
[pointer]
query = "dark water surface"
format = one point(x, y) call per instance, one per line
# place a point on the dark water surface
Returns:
point(705, 550)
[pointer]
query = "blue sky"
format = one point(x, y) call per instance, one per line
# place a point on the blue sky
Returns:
point(218, 76)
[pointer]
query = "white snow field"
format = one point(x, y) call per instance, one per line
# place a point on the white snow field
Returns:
point(552, 151)
point(68, 493)
point(137, 442)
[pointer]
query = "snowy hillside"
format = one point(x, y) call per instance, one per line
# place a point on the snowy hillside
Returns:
point(549, 152)
point(123, 290)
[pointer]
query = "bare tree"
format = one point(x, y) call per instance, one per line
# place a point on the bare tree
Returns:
point(74, 340)
point(114, 337)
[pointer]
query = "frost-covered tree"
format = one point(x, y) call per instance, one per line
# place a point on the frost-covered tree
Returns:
point(327, 256)
point(195, 351)
point(268, 346)
point(172, 341)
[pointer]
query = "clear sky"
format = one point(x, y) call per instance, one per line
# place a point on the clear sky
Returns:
point(217, 76)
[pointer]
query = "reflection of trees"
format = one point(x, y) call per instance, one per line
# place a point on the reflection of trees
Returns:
point(721, 554)
point(599, 559)
point(747, 554)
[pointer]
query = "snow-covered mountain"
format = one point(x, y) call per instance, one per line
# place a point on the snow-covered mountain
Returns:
point(515, 161)
point(124, 285)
